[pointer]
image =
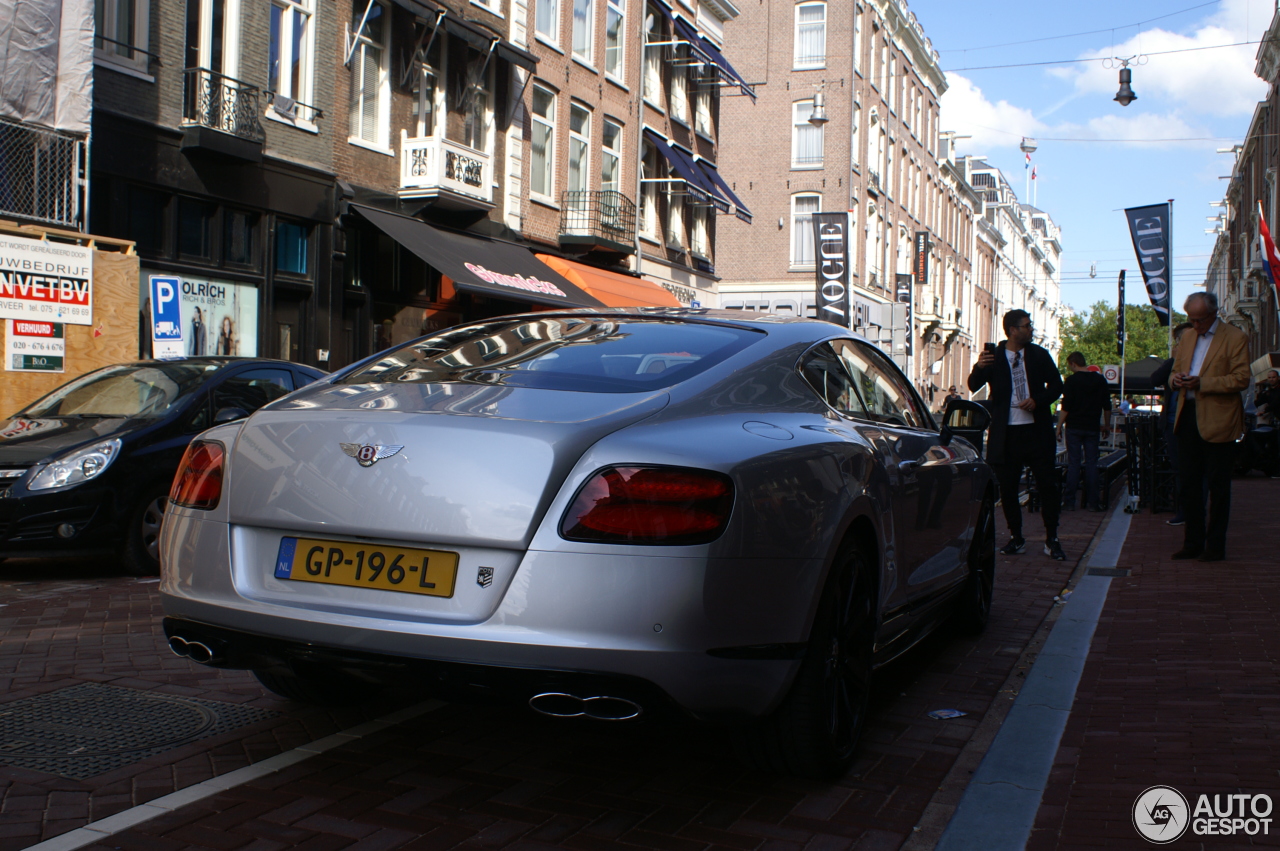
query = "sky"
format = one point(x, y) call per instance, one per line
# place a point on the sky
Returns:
point(1095, 157)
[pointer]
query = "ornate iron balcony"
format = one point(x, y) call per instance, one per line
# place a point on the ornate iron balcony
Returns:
point(598, 217)
point(222, 103)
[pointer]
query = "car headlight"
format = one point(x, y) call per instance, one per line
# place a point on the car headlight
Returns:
point(80, 466)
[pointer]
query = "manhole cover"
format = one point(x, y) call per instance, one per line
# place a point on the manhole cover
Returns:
point(84, 730)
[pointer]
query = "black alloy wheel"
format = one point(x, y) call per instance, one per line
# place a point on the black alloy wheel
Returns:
point(815, 732)
point(141, 554)
point(973, 606)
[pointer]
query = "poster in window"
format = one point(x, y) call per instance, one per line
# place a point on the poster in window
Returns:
point(219, 317)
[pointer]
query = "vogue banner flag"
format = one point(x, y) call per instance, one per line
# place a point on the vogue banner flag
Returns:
point(831, 245)
point(1153, 243)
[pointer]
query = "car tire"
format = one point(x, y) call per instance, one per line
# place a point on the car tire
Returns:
point(814, 732)
point(316, 689)
point(141, 555)
point(973, 606)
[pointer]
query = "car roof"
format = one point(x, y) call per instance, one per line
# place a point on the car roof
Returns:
point(223, 362)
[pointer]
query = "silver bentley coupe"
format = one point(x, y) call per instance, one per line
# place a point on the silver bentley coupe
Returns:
point(602, 513)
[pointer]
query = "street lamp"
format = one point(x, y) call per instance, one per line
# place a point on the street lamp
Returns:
point(1125, 96)
point(818, 116)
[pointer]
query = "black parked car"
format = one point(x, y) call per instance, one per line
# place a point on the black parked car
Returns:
point(86, 470)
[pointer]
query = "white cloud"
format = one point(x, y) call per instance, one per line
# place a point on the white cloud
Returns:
point(966, 110)
point(1137, 129)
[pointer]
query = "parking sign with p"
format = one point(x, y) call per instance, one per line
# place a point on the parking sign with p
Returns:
point(166, 317)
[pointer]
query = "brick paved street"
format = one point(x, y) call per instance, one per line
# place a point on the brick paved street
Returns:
point(1180, 687)
point(488, 777)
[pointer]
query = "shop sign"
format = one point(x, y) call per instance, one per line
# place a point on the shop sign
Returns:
point(34, 346)
point(45, 281)
point(216, 317)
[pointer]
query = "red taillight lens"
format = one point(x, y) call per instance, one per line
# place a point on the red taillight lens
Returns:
point(650, 505)
point(199, 480)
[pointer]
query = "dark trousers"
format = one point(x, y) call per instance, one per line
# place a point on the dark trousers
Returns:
point(1082, 449)
point(1027, 446)
point(1202, 464)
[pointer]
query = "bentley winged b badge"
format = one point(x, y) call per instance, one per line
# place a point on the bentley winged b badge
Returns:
point(368, 454)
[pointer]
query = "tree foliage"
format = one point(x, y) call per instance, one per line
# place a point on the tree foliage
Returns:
point(1093, 334)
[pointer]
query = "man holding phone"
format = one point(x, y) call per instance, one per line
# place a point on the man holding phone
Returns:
point(1210, 371)
point(1024, 382)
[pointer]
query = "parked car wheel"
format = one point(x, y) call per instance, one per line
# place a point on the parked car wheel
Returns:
point(815, 732)
point(142, 548)
point(973, 606)
point(316, 688)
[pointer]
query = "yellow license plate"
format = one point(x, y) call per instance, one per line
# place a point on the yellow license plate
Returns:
point(362, 565)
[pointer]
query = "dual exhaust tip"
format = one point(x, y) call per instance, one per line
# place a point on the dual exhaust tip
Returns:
point(196, 651)
point(558, 704)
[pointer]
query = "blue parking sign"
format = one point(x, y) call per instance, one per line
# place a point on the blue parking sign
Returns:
point(166, 316)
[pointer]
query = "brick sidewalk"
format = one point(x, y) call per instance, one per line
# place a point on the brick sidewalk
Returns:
point(1180, 687)
point(492, 777)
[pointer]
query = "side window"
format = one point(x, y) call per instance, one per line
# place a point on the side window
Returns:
point(888, 399)
point(824, 373)
point(253, 389)
point(200, 418)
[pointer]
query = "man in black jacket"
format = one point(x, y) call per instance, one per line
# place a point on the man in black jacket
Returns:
point(1024, 383)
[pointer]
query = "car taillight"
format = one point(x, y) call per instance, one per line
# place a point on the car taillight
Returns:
point(650, 505)
point(198, 483)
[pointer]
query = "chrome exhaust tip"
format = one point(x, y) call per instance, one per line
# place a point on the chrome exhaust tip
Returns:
point(196, 651)
point(600, 707)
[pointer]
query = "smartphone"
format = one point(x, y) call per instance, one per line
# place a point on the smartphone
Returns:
point(990, 347)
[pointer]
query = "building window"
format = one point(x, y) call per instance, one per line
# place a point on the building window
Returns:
point(293, 241)
point(121, 27)
point(679, 95)
point(467, 98)
point(857, 39)
point(370, 88)
point(675, 219)
point(702, 108)
point(649, 192)
point(544, 141)
point(240, 237)
point(611, 158)
point(547, 20)
point(614, 38)
point(147, 216)
point(195, 229)
point(653, 60)
point(811, 35)
point(806, 139)
point(579, 146)
point(289, 51)
point(699, 240)
point(802, 209)
point(425, 87)
point(583, 28)
point(854, 153)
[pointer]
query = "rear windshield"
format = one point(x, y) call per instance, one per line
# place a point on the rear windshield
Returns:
point(593, 354)
point(131, 390)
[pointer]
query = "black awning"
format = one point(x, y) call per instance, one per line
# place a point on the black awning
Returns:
point(700, 186)
point(497, 269)
point(701, 44)
point(739, 209)
point(474, 34)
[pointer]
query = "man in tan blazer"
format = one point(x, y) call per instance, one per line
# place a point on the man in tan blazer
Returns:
point(1210, 370)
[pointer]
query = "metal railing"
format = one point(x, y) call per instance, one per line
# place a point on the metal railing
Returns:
point(222, 103)
point(41, 174)
point(601, 213)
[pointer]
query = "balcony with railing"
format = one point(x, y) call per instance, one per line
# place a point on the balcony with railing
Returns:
point(599, 219)
point(222, 115)
point(42, 174)
point(436, 167)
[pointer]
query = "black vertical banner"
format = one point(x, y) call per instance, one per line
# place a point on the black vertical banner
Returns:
point(902, 294)
point(1153, 243)
point(922, 258)
point(831, 245)
point(1120, 320)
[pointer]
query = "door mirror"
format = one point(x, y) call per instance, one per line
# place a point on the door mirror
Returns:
point(229, 415)
point(966, 419)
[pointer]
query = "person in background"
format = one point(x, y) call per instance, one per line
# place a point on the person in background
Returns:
point(1024, 384)
point(1210, 371)
point(1126, 405)
point(1169, 407)
point(1084, 415)
point(951, 394)
point(1267, 397)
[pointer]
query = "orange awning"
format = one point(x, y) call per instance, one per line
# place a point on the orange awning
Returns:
point(611, 288)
